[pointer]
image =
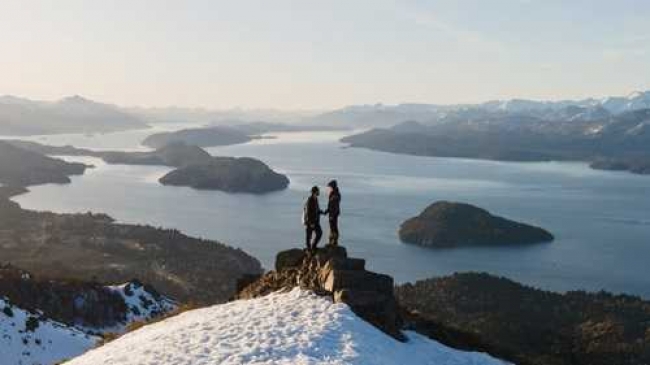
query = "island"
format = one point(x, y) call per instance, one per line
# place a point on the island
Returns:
point(229, 174)
point(195, 167)
point(202, 137)
point(449, 224)
point(640, 166)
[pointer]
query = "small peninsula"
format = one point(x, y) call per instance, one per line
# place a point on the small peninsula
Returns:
point(638, 165)
point(21, 167)
point(202, 137)
point(195, 167)
point(448, 224)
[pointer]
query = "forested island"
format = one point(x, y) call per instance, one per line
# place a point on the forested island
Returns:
point(202, 137)
point(448, 224)
point(229, 174)
point(194, 167)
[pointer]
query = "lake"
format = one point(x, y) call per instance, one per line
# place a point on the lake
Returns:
point(601, 219)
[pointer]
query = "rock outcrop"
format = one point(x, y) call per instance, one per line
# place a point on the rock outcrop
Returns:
point(448, 224)
point(330, 272)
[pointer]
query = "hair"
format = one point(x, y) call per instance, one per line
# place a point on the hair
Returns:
point(315, 190)
point(335, 187)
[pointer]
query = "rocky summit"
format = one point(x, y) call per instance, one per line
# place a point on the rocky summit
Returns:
point(330, 272)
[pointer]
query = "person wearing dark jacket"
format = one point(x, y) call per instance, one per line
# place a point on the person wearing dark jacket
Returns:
point(311, 220)
point(334, 211)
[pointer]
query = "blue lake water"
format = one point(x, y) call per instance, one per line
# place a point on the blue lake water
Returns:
point(601, 219)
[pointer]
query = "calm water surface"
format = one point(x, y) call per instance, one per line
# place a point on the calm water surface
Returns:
point(601, 219)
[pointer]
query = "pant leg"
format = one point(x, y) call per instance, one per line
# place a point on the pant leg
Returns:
point(334, 230)
point(308, 234)
point(319, 233)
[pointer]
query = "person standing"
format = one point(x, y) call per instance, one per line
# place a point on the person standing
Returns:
point(311, 220)
point(334, 211)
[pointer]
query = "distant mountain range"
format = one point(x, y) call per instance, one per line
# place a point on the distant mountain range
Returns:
point(612, 133)
point(380, 115)
point(74, 114)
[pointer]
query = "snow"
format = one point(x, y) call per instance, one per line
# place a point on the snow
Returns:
point(142, 305)
point(49, 343)
point(52, 341)
point(297, 327)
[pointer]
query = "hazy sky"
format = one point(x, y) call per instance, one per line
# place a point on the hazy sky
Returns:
point(321, 54)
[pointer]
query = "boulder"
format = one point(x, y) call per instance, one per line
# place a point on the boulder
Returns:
point(358, 279)
point(331, 272)
point(289, 259)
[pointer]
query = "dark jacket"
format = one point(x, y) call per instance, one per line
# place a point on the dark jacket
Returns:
point(334, 205)
point(312, 211)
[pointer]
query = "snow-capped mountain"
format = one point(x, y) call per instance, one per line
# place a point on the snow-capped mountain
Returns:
point(28, 339)
point(635, 101)
point(288, 328)
point(613, 104)
point(383, 115)
point(44, 321)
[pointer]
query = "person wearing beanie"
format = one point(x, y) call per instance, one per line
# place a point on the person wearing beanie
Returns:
point(334, 211)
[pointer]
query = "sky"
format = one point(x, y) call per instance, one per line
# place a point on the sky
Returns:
point(308, 54)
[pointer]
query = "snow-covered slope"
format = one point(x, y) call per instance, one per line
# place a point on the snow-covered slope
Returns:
point(291, 328)
point(27, 340)
point(142, 304)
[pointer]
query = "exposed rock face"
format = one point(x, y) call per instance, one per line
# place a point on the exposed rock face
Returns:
point(230, 174)
point(330, 272)
point(447, 224)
